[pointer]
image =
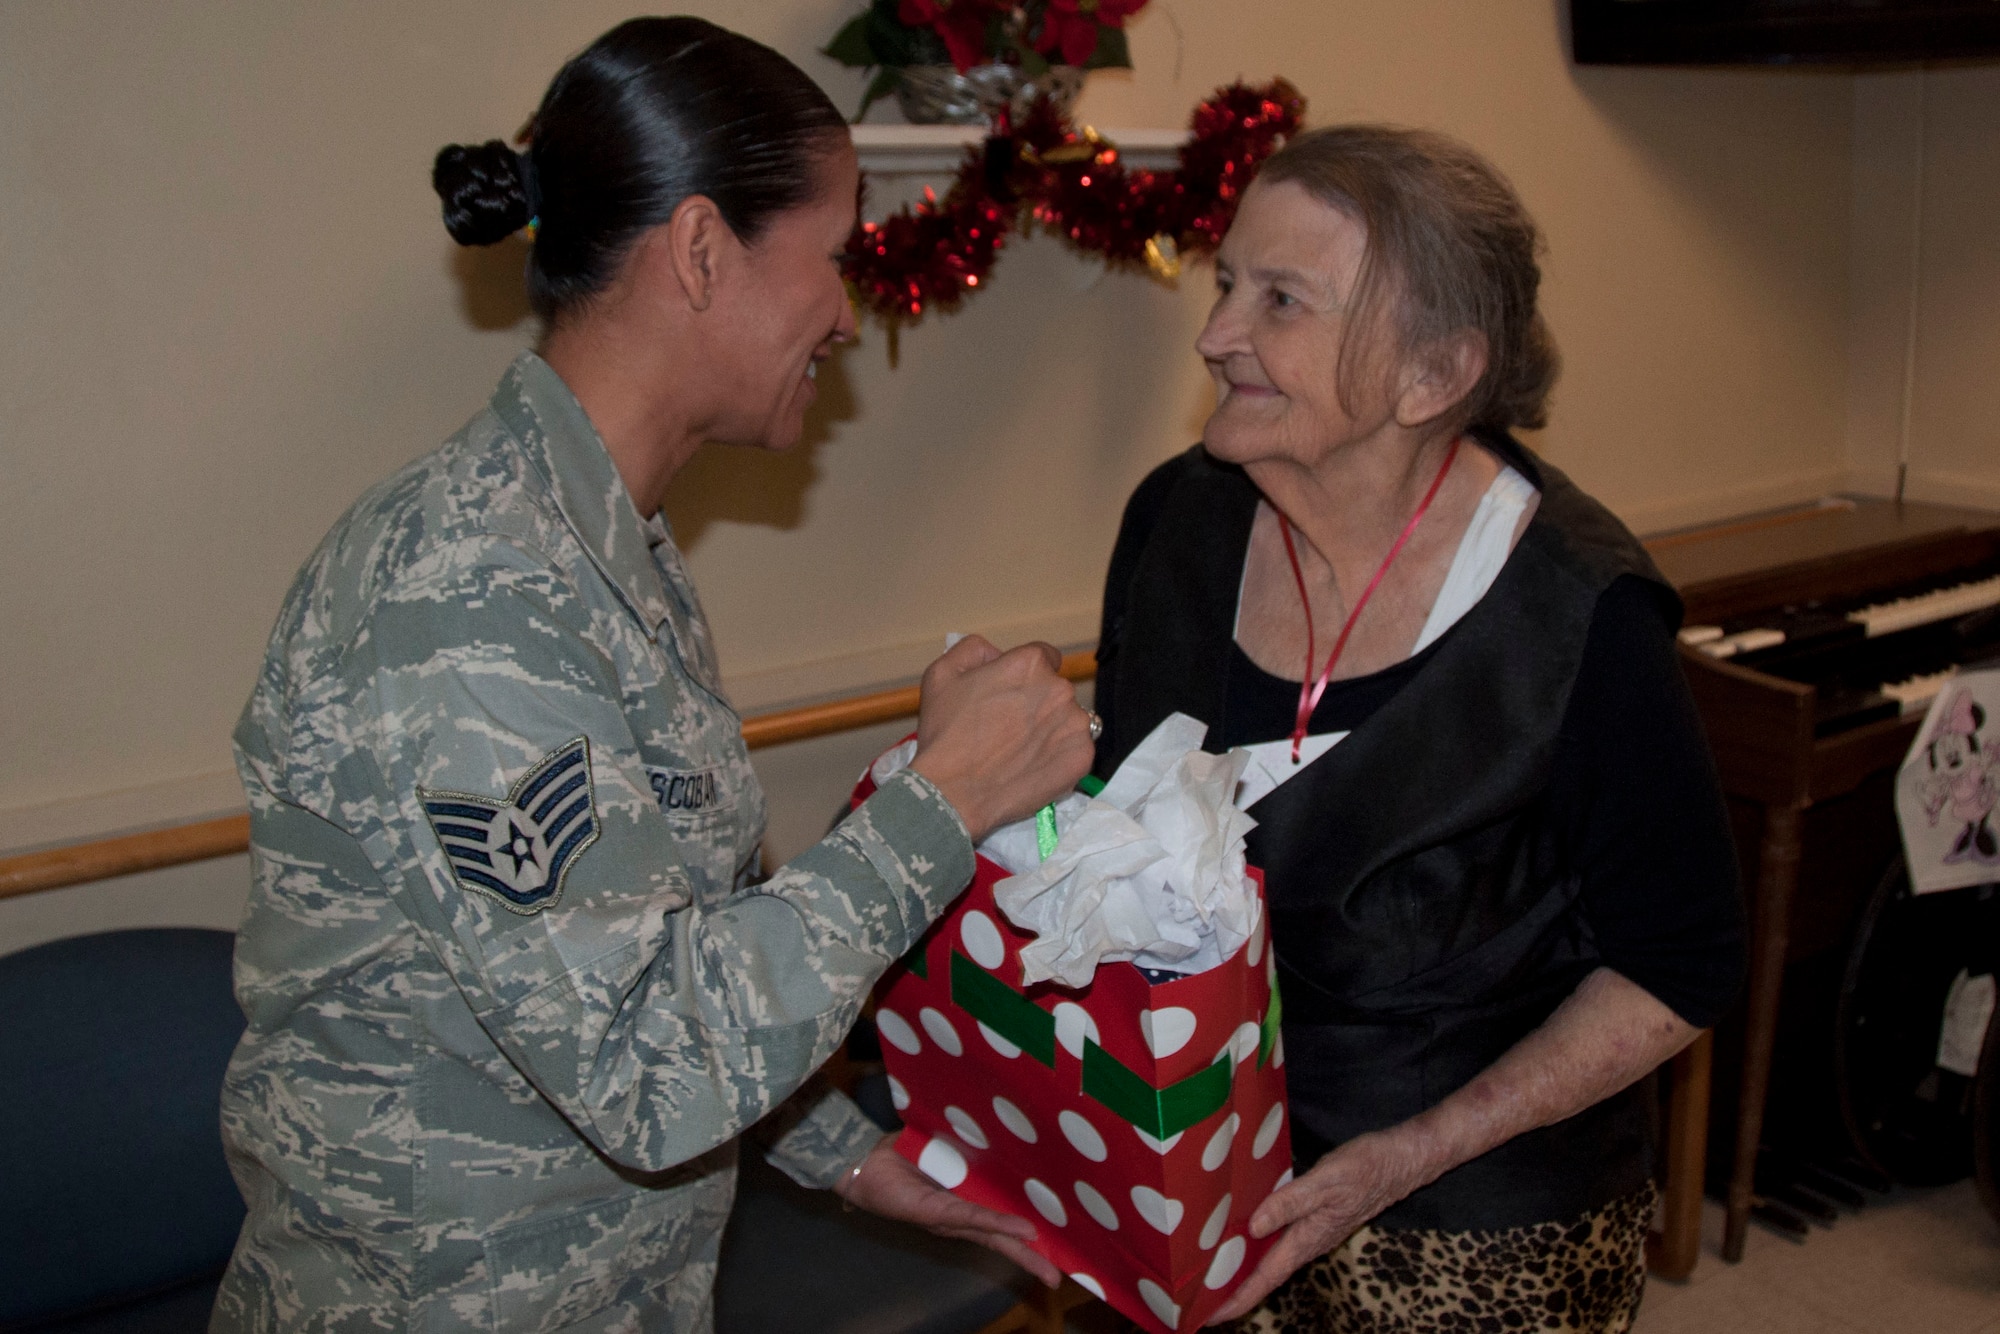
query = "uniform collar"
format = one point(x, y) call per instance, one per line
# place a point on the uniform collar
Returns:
point(556, 433)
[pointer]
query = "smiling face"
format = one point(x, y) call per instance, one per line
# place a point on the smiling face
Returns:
point(783, 309)
point(1286, 277)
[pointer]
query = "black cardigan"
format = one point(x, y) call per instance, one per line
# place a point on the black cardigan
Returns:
point(1422, 927)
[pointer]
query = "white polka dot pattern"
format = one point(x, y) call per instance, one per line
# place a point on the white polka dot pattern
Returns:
point(1015, 1120)
point(1163, 1147)
point(942, 1164)
point(899, 1097)
point(896, 1031)
point(941, 1030)
point(998, 1043)
point(1096, 1206)
point(1047, 1203)
point(1167, 1031)
point(965, 1127)
point(1211, 1231)
point(1228, 1259)
point(1267, 1134)
point(1089, 1285)
point(1248, 1035)
point(1159, 1303)
point(1082, 1135)
point(1073, 1025)
point(982, 940)
point(1219, 1144)
point(1163, 1213)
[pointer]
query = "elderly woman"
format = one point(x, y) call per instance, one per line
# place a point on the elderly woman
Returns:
point(514, 984)
point(1500, 877)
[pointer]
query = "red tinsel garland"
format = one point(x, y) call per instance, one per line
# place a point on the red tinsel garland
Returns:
point(1045, 171)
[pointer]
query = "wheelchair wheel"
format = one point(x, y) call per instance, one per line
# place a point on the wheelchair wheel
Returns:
point(1986, 1123)
point(1907, 1116)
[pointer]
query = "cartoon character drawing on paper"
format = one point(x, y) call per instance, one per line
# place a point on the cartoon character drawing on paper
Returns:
point(1964, 780)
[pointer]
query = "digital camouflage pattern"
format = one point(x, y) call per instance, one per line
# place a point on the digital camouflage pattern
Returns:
point(454, 1111)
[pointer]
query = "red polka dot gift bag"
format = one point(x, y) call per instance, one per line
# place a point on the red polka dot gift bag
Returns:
point(1135, 1114)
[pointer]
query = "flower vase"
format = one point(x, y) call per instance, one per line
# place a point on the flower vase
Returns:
point(944, 95)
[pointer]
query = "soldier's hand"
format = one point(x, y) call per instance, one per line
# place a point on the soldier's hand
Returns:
point(1000, 734)
point(890, 1186)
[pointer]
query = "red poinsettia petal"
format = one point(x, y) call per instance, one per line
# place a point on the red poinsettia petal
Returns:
point(1079, 39)
point(964, 33)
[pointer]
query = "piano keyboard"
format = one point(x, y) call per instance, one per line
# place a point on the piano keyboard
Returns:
point(1916, 693)
point(1888, 617)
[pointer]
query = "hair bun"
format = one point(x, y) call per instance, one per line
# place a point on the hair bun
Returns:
point(485, 191)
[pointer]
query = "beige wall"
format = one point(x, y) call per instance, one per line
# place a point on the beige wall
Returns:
point(230, 307)
point(1925, 244)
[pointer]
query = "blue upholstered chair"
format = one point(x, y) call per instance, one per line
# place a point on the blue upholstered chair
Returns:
point(117, 1212)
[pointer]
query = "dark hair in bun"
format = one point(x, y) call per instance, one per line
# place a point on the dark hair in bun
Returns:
point(652, 112)
point(485, 192)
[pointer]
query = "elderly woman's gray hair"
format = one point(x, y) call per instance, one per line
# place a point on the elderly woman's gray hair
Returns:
point(1450, 250)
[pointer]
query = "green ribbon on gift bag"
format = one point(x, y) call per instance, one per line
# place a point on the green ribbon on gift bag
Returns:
point(1160, 1112)
point(1274, 1015)
point(1003, 1009)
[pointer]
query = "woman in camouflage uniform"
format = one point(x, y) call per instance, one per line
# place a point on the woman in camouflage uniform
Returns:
point(513, 982)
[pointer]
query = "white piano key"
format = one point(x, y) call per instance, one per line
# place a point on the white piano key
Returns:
point(1916, 693)
point(1905, 613)
point(1743, 641)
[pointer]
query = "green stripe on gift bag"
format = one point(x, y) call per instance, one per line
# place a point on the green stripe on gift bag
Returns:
point(1003, 1009)
point(1161, 1112)
point(1273, 1016)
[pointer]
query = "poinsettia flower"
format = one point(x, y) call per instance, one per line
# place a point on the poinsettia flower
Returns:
point(961, 23)
point(1070, 26)
point(1069, 29)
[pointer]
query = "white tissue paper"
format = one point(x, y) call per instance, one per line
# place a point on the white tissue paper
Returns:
point(1150, 870)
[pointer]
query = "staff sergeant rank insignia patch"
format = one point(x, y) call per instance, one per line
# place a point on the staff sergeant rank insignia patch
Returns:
point(520, 850)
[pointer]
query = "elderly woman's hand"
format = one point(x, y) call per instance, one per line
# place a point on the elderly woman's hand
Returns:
point(1322, 1209)
point(889, 1185)
point(1609, 1032)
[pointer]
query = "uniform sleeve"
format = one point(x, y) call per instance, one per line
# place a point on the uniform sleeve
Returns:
point(820, 1134)
point(659, 1027)
point(1647, 823)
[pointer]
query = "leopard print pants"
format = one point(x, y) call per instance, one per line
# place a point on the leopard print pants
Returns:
point(1585, 1275)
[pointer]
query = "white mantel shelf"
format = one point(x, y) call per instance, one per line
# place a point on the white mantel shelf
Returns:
point(935, 150)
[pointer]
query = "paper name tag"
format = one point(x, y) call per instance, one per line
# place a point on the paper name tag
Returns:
point(1968, 1008)
point(1271, 765)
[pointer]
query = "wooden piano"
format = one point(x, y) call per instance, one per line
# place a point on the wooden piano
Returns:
point(1814, 641)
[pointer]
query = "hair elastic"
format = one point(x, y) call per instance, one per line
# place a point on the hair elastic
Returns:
point(533, 190)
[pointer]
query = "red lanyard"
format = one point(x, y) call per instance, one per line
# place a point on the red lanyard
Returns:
point(1309, 689)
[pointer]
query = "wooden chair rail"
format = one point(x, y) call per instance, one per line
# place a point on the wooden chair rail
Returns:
point(156, 849)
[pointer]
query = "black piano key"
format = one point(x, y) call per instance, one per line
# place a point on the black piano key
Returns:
point(1862, 1175)
point(1805, 636)
point(1821, 1182)
point(1802, 1201)
point(1837, 710)
point(1780, 1220)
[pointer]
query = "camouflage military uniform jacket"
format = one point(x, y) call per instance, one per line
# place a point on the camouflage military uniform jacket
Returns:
point(511, 992)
